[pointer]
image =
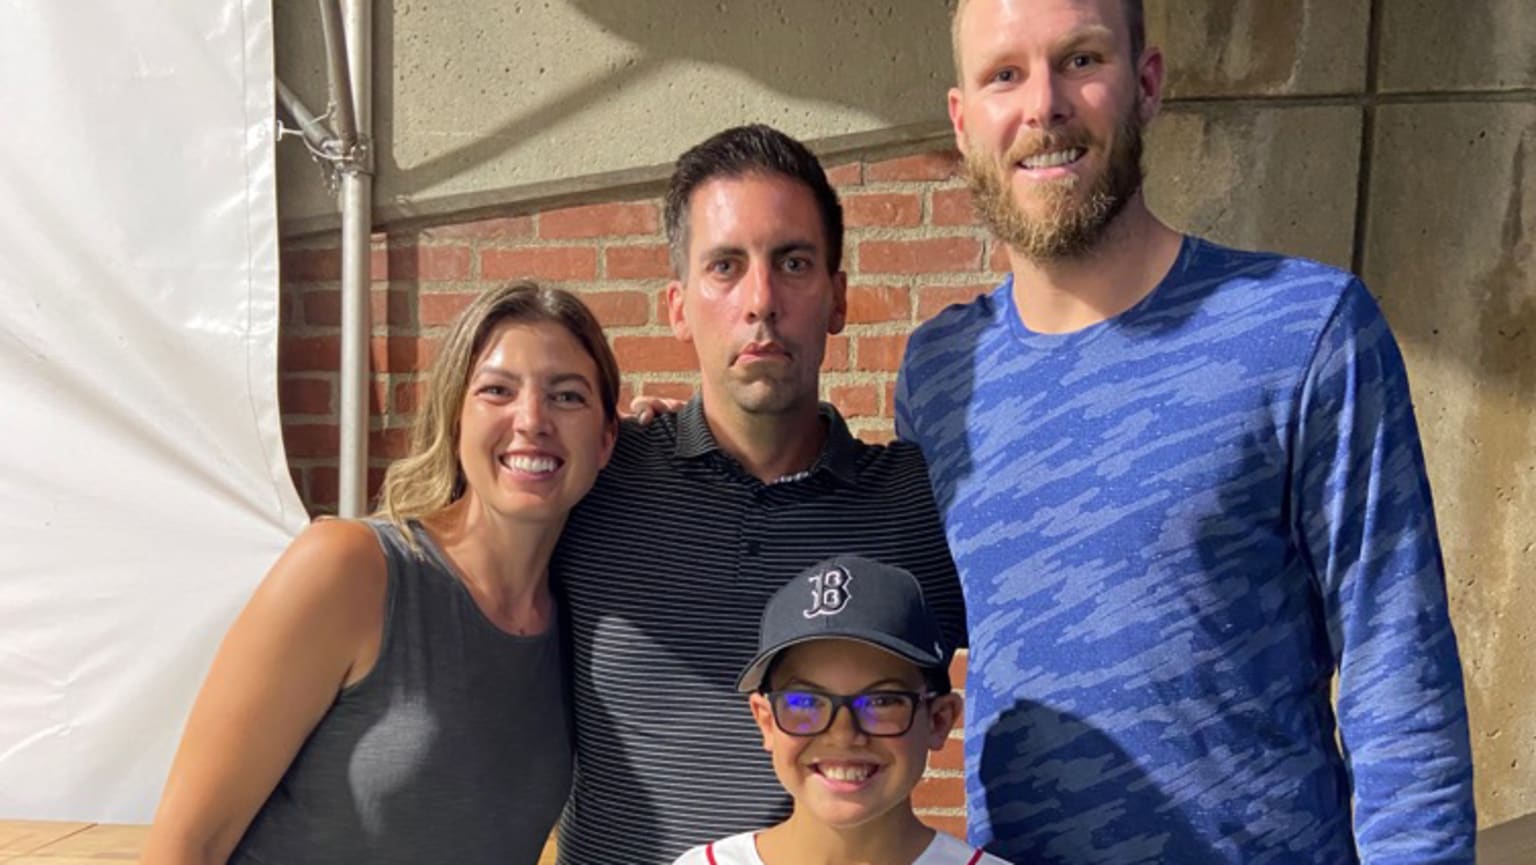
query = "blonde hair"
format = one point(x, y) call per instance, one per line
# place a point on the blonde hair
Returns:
point(1135, 21)
point(430, 478)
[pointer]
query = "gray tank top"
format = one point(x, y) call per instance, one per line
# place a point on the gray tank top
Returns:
point(455, 747)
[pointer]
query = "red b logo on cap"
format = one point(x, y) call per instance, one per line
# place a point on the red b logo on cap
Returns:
point(829, 592)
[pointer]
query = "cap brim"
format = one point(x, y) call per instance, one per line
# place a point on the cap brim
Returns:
point(751, 678)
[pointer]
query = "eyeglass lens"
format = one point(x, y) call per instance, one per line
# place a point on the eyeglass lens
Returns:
point(877, 713)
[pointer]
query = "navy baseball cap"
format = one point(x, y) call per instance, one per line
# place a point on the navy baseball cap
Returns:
point(851, 598)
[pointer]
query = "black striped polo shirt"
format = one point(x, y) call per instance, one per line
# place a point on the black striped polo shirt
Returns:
point(665, 568)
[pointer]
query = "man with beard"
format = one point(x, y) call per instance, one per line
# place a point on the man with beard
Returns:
point(1184, 488)
point(701, 516)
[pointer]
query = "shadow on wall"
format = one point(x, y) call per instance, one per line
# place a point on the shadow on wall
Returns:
point(798, 48)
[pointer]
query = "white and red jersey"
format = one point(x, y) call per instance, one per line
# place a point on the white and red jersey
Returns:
point(742, 850)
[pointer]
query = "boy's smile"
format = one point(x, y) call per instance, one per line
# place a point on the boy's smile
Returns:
point(842, 777)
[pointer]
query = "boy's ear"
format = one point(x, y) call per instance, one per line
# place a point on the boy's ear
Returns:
point(943, 715)
point(762, 713)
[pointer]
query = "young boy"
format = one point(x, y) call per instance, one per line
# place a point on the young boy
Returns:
point(851, 690)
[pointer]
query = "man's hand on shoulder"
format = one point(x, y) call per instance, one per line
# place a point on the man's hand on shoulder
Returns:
point(642, 409)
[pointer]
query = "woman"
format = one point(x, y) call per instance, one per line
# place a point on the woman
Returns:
point(392, 692)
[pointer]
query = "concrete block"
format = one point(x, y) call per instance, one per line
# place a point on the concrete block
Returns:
point(1435, 45)
point(1279, 178)
point(475, 96)
point(1451, 253)
point(1260, 47)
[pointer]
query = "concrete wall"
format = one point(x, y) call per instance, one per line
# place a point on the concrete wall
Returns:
point(495, 101)
point(1398, 138)
point(1393, 137)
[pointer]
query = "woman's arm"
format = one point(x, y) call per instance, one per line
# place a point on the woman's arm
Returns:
point(312, 627)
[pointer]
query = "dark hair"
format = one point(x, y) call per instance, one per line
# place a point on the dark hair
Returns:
point(742, 151)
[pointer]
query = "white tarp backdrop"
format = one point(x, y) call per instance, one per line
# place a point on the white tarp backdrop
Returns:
point(143, 486)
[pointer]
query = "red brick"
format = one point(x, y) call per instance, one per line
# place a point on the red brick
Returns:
point(499, 228)
point(654, 354)
point(933, 255)
point(836, 356)
point(304, 396)
point(626, 394)
point(950, 757)
point(600, 220)
point(932, 299)
point(378, 262)
point(402, 353)
point(309, 353)
point(438, 309)
point(310, 265)
point(407, 396)
point(375, 483)
point(881, 353)
point(855, 400)
point(548, 262)
point(392, 442)
point(322, 307)
point(847, 174)
point(998, 261)
point(638, 262)
point(882, 209)
point(877, 435)
point(429, 263)
point(945, 823)
point(872, 303)
point(311, 440)
point(890, 401)
point(619, 308)
point(324, 265)
point(957, 669)
point(288, 308)
point(945, 792)
point(378, 395)
point(679, 390)
point(923, 166)
point(324, 487)
point(953, 207)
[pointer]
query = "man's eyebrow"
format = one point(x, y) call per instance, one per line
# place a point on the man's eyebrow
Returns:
point(796, 246)
point(1088, 33)
point(724, 250)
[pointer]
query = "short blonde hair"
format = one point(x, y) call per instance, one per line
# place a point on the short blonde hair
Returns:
point(430, 478)
point(1135, 19)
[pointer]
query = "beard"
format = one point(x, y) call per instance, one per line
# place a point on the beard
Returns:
point(1071, 224)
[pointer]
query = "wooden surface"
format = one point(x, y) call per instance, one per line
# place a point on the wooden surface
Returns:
point(24, 842)
point(34, 843)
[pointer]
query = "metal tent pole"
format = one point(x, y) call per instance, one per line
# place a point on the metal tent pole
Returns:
point(352, 95)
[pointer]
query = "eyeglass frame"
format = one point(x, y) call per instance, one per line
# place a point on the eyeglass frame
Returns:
point(841, 700)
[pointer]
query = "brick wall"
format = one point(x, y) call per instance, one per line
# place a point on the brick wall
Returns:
point(912, 248)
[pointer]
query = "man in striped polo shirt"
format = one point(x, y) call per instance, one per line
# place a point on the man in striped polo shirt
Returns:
point(700, 516)
point(1184, 487)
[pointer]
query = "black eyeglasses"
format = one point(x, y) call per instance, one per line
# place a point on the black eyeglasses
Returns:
point(803, 712)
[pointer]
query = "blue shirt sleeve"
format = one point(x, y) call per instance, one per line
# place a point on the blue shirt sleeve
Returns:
point(1364, 518)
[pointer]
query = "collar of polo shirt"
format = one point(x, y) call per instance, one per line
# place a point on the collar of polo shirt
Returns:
point(839, 454)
